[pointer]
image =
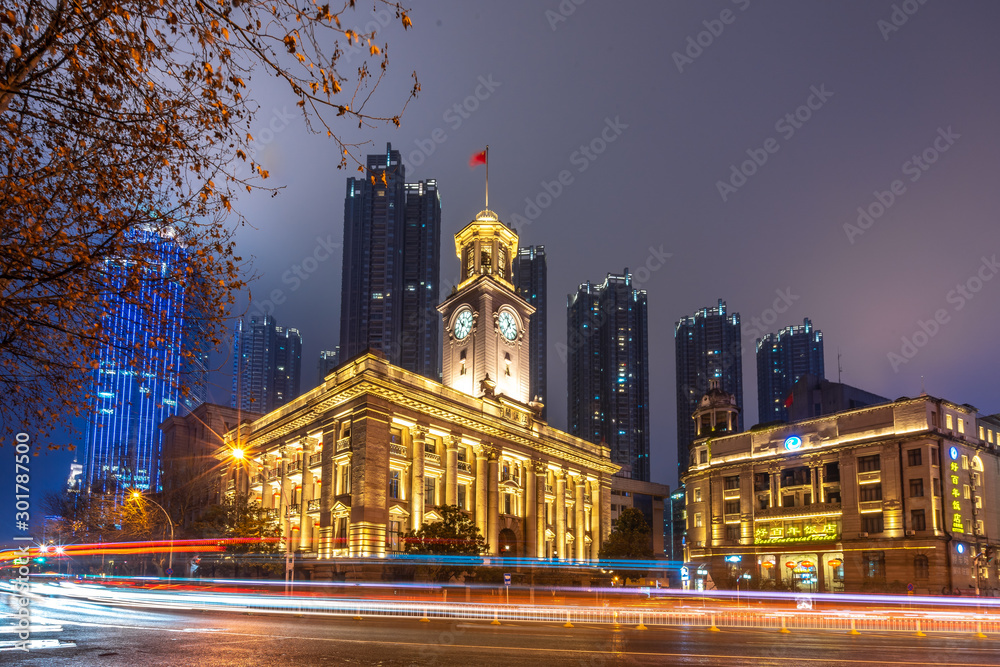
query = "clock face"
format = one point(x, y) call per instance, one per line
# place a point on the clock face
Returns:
point(463, 324)
point(508, 325)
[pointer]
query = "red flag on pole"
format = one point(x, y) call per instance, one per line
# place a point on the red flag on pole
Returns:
point(477, 159)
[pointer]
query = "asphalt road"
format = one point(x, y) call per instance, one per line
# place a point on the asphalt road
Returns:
point(99, 635)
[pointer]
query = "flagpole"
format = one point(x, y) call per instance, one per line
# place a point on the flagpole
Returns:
point(487, 176)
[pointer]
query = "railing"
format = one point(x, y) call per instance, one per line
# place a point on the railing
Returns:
point(869, 505)
point(509, 476)
point(344, 443)
point(231, 485)
point(465, 466)
point(731, 518)
point(398, 450)
point(258, 478)
point(313, 506)
point(434, 458)
point(827, 621)
point(292, 510)
point(315, 459)
point(729, 494)
point(790, 512)
point(295, 466)
point(272, 474)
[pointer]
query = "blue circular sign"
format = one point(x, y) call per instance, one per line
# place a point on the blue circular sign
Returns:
point(960, 548)
point(793, 442)
point(953, 453)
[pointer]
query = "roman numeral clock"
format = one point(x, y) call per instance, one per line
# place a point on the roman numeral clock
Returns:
point(485, 320)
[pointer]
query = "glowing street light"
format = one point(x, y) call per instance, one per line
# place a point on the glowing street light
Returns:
point(238, 454)
point(137, 496)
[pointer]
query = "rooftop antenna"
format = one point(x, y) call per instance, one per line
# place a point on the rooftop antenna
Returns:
point(840, 369)
point(923, 391)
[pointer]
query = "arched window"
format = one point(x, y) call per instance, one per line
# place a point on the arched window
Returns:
point(921, 567)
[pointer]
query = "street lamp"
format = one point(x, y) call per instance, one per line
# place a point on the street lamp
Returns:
point(137, 496)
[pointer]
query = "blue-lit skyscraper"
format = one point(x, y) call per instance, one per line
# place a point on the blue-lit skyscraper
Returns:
point(783, 358)
point(608, 370)
point(141, 369)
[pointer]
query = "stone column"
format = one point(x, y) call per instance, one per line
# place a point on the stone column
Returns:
point(451, 470)
point(813, 482)
point(595, 518)
point(530, 508)
point(560, 514)
point(419, 436)
point(579, 527)
point(482, 507)
point(819, 484)
point(605, 483)
point(327, 489)
point(493, 515)
point(541, 471)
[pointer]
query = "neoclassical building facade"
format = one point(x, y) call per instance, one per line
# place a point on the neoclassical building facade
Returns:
point(349, 467)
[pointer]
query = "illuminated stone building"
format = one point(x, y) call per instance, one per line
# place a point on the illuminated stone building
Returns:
point(871, 499)
point(375, 450)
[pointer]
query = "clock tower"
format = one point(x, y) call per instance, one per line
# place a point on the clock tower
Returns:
point(485, 321)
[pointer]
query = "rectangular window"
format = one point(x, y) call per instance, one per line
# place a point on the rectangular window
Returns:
point(872, 523)
point(982, 433)
point(340, 541)
point(788, 501)
point(916, 488)
point(732, 482)
point(870, 492)
point(697, 519)
point(873, 566)
point(345, 479)
point(937, 519)
point(921, 569)
point(869, 463)
point(913, 457)
point(961, 425)
point(965, 491)
point(917, 520)
point(703, 457)
point(732, 507)
point(732, 533)
point(393, 537)
point(965, 462)
point(807, 499)
point(948, 422)
point(394, 484)
point(508, 503)
point(430, 491)
point(937, 487)
point(980, 527)
point(934, 458)
point(614, 507)
point(462, 488)
point(697, 495)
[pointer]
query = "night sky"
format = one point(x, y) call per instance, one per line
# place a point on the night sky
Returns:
point(684, 93)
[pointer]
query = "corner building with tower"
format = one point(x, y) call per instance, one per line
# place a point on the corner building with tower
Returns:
point(349, 467)
point(886, 498)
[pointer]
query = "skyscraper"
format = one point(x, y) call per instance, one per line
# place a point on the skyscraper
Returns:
point(328, 360)
point(287, 365)
point(391, 269)
point(138, 381)
point(708, 346)
point(267, 365)
point(783, 358)
point(608, 370)
point(531, 280)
